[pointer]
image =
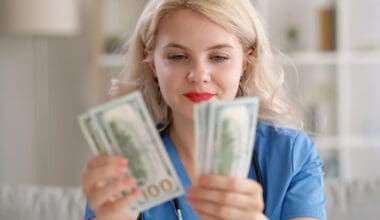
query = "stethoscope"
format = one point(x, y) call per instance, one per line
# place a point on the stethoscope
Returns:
point(177, 206)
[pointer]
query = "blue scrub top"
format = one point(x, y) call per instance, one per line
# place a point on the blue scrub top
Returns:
point(292, 177)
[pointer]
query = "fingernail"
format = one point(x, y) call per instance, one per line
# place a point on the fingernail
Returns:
point(122, 170)
point(133, 181)
point(100, 184)
point(136, 191)
point(123, 161)
point(129, 181)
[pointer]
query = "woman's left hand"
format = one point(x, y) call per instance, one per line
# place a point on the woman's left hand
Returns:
point(227, 197)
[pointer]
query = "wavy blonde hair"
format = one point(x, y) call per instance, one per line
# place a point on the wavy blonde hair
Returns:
point(262, 78)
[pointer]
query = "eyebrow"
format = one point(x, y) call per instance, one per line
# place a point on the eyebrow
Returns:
point(218, 46)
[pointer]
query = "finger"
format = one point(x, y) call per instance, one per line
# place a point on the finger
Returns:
point(238, 200)
point(104, 160)
point(98, 177)
point(230, 183)
point(111, 192)
point(249, 216)
point(258, 216)
point(205, 216)
point(217, 210)
point(120, 209)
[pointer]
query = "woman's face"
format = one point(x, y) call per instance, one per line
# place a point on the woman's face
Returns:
point(195, 60)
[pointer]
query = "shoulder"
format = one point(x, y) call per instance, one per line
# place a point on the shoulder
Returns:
point(284, 144)
point(270, 132)
point(289, 162)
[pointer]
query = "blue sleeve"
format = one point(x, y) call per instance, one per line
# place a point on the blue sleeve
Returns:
point(89, 213)
point(305, 195)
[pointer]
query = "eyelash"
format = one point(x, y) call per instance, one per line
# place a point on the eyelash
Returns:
point(179, 57)
point(219, 59)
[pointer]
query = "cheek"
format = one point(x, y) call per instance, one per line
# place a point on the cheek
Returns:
point(169, 78)
point(232, 78)
point(170, 75)
point(229, 82)
point(232, 84)
point(165, 70)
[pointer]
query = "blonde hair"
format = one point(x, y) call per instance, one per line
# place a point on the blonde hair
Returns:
point(262, 77)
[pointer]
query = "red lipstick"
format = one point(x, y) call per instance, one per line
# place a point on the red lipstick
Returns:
point(199, 96)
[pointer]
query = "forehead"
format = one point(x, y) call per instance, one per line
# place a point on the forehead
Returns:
point(187, 27)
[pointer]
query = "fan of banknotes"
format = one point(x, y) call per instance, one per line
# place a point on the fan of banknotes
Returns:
point(224, 136)
point(124, 127)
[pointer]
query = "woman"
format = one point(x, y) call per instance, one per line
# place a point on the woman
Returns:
point(186, 52)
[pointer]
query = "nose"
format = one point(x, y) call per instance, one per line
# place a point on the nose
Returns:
point(199, 72)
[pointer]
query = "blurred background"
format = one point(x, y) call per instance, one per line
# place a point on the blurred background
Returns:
point(57, 58)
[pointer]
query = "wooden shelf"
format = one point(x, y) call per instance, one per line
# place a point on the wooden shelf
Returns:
point(309, 58)
point(347, 142)
point(369, 57)
point(330, 58)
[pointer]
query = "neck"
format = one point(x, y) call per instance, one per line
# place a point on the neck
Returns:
point(182, 135)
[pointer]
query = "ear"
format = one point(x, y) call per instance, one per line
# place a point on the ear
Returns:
point(149, 57)
point(152, 67)
point(250, 52)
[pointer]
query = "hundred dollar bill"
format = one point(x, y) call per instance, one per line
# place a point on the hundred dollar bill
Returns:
point(92, 135)
point(131, 132)
point(230, 137)
point(201, 127)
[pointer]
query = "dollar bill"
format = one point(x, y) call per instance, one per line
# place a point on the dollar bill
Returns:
point(201, 128)
point(92, 135)
point(227, 145)
point(129, 131)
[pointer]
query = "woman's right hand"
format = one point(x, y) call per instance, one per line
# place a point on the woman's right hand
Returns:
point(105, 183)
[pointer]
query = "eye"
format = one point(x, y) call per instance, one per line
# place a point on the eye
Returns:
point(219, 58)
point(177, 57)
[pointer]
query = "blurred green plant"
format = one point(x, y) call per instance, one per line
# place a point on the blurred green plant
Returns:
point(292, 38)
point(113, 44)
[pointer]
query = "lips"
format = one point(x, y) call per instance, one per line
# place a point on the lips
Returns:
point(199, 96)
